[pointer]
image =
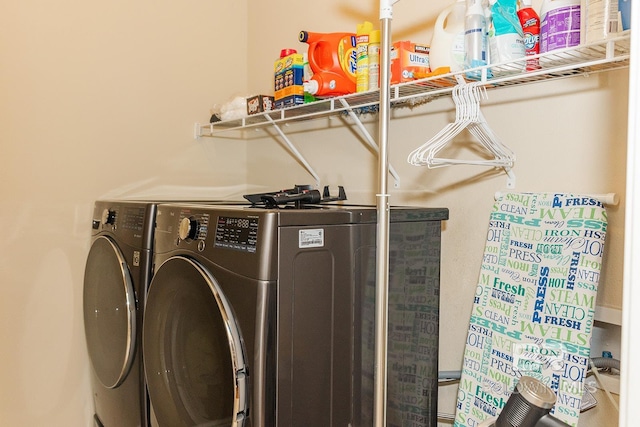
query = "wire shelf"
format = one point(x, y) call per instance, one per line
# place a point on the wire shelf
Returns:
point(582, 60)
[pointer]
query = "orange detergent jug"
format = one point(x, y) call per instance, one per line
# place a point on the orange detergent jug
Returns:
point(332, 58)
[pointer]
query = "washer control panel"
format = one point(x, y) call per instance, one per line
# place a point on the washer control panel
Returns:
point(240, 234)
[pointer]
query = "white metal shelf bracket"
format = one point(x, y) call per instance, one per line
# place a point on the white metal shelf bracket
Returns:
point(293, 150)
point(610, 50)
point(511, 178)
point(368, 138)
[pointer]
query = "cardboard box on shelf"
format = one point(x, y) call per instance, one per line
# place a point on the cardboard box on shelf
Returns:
point(288, 80)
point(407, 58)
point(260, 104)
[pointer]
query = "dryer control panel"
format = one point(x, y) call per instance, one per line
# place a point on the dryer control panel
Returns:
point(130, 222)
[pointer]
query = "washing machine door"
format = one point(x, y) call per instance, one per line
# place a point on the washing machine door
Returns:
point(193, 350)
point(109, 312)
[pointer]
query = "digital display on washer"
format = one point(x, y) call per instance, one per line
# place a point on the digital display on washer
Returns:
point(237, 233)
point(132, 219)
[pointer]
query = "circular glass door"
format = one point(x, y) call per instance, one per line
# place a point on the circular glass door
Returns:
point(109, 312)
point(193, 352)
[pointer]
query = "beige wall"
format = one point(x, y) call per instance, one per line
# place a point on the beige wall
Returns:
point(99, 100)
point(568, 135)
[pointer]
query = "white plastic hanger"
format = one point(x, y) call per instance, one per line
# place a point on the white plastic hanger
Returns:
point(466, 97)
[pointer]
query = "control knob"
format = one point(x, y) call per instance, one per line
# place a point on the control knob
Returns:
point(188, 229)
point(108, 217)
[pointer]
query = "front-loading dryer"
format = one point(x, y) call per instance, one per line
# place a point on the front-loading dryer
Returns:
point(262, 317)
point(117, 274)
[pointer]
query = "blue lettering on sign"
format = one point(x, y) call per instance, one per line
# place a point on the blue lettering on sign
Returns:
point(573, 269)
point(557, 203)
point(542, 290)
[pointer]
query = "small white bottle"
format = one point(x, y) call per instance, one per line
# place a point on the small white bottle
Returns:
point(475, 38)
point(486, 9)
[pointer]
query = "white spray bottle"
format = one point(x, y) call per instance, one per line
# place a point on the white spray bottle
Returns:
point(475, 38)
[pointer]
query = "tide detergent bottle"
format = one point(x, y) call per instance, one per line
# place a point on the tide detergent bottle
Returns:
point(333, 61)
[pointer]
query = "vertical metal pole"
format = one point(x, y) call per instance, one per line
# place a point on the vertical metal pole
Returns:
point(382, 236)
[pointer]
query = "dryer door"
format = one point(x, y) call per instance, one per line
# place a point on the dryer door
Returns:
point(193, 351)
point(109, 312)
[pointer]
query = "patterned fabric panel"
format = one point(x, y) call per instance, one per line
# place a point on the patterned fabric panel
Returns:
point(534, 303)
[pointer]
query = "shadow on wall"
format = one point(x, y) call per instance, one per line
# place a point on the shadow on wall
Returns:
point(42, 313)
point(150, 189)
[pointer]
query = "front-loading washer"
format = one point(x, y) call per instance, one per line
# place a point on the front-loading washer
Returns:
point(117, 274)
point(263, 317)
